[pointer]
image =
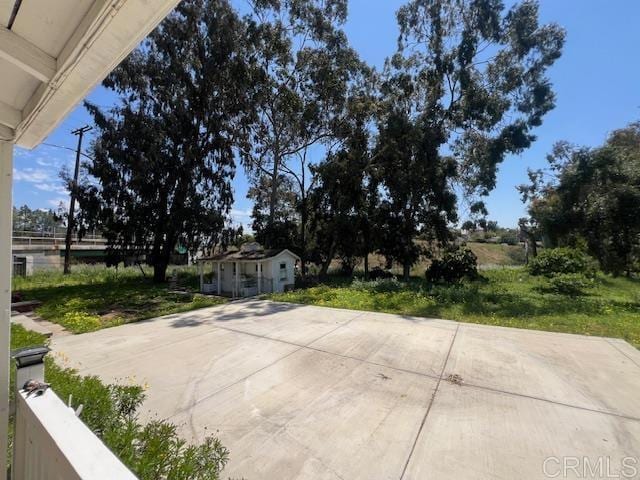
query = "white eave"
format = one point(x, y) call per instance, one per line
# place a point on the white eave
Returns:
point(54, 53)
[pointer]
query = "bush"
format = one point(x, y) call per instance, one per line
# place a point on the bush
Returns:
point(376, 273)
point(307, 281)
point(509, 239)
point(572, 284)
point(553, 261)
point(453, 267)
point(151, 451)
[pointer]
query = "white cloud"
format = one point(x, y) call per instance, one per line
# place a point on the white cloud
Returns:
point(51, 187)
point(32, 175)
point(49, 162)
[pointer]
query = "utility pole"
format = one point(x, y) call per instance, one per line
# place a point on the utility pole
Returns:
point(72, 204)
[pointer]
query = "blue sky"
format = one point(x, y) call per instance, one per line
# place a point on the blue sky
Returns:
point(597, 82)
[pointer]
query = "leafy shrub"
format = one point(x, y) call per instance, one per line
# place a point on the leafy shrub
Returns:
point(151, 451)
point(572, 284)
point(384, 285)
point(376, 273)
point(307, 281)
point(453, 267)
point(509, 239)
point(553, 261)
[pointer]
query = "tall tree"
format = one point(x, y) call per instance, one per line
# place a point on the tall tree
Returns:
point(306, 66)
point(470, 76)
point(591, 195)
point(345, 196)
point(417, 196)
point(164, 156)
point(283, 230)
point(477, 74)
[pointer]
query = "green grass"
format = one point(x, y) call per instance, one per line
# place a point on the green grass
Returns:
point(490, 254)
point(91, 298)
point(505, 297)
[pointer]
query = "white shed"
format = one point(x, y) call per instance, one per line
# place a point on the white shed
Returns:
point(250, 271)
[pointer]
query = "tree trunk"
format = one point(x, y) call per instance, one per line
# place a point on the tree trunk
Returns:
point(303, 233)
point(161, 258)
point(366, 265)
point(534, 246)
point(272, 201)
point(160, 271)
point(406, 271)
point(324, 268)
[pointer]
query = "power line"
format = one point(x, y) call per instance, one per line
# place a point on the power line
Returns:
point(67, 148)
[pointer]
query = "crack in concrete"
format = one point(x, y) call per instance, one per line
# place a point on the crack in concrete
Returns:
point(433, 397)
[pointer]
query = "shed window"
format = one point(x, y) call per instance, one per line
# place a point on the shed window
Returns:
point(283, 271)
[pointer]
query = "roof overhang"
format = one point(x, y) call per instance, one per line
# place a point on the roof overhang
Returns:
point(52, 56)
point(229, 257)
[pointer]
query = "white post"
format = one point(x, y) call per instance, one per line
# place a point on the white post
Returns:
point(6, 210)
point(219, 280)
point(259, 277)
point(237, 279)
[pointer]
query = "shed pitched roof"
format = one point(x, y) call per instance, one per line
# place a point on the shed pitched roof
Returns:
point(239, 255)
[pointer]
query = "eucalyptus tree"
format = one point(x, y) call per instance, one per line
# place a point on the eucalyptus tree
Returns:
point(470, 77)
point(306, 67)
point(283, 232)
point(342, 199)
point(417, 195)
point(164, 155)
point(589, 196)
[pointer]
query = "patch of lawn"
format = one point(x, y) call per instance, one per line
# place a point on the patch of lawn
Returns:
point(91, 298)
point(505, 297)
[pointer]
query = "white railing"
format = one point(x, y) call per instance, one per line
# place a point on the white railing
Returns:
point(24, 237)
point(52, 443)
point(248, 286)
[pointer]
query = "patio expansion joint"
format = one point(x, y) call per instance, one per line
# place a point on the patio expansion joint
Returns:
point(546, 400)
point(271, 364)
point(633, 360)
point(309, 346)
point(433, 397)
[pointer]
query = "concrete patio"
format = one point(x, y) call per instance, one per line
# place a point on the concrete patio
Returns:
point(298, 392)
